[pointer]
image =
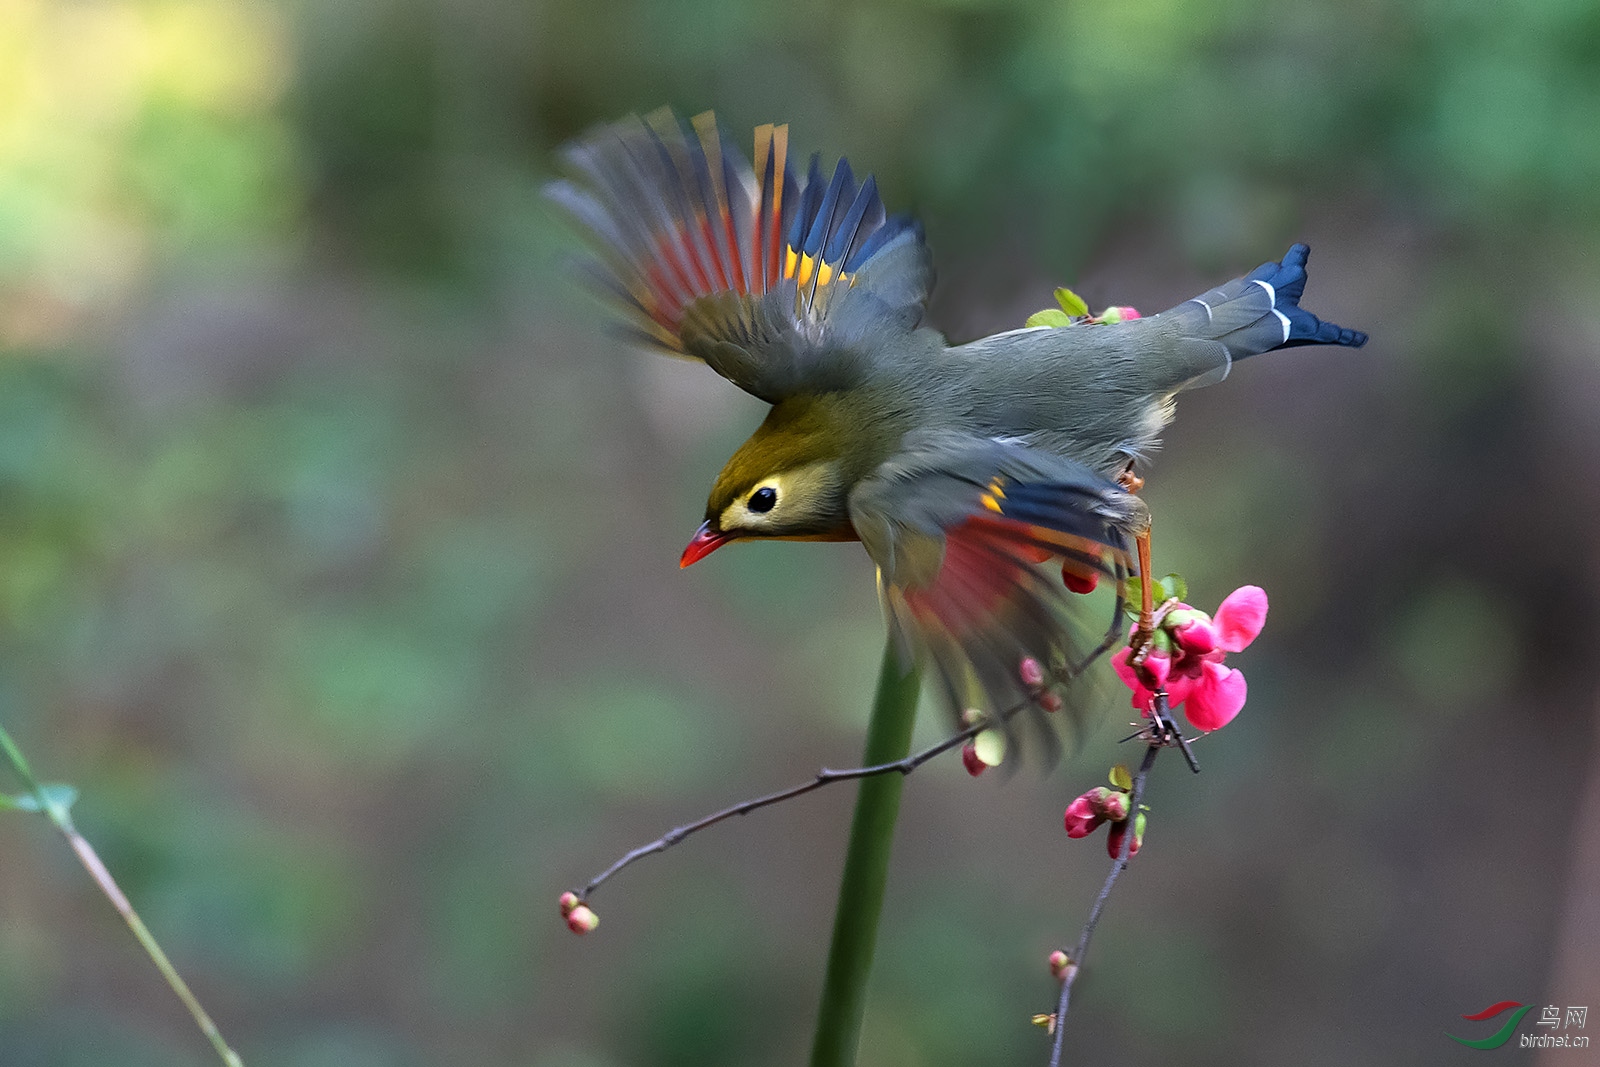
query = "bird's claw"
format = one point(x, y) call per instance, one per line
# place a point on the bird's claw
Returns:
point(1163, 730)
point(1139, 643)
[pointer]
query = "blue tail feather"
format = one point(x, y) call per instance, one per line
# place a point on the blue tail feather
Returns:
point(1288, 281)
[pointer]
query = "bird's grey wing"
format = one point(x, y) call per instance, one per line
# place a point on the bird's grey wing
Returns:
point(971, 537)
point(776, 284)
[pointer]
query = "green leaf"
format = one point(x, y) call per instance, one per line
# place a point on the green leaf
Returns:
point(56, 794)
point(1048, 317)
point(1121, 778)
point(1131, 605)
point(1071, 303)
point(1173, 587)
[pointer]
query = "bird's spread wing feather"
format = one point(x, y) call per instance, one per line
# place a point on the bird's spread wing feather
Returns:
point(960, 528)
point(767, 279)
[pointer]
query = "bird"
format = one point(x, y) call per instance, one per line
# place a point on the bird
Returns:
point(962, 469)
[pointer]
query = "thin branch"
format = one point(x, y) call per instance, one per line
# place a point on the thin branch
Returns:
point(826, 777)
point(1120, 864)
point(823, 777)
point(59, 815)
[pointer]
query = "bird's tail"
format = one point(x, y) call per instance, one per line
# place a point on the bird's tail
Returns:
point(1250, 315)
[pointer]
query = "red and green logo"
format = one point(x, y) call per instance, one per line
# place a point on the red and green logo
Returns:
point(1500, 1036)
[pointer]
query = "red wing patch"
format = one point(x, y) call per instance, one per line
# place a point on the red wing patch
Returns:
point(989, 561)
point(998, 598)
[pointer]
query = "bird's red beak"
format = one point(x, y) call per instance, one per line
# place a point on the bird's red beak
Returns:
point(706, 540)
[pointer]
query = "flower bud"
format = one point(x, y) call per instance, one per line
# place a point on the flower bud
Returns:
point(580, 920)
point(991, 747)
point(1113, 315)
point(1119, 830)
point(1081, 816)
point(1060, 962)
point(971, 760)
point(1079, 581)
point(1180, 616)
point(569, 900)
point(1112, 803)
point(1049, 700)
point(1031, 673)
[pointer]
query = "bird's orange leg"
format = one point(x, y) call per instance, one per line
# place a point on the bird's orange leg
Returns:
point(1140, 640)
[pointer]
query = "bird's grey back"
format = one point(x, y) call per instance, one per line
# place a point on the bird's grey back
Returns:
point(1096, 394)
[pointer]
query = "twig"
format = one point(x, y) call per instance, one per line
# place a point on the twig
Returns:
point(1076, 957)
point(827, 776)
point(58, 814)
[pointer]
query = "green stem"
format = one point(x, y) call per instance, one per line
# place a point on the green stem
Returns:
point(866, 867)
point(58, 814)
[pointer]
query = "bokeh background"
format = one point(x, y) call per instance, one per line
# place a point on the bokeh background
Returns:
point(338, 539)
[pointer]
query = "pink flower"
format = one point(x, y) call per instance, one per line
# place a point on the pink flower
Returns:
point(1144, 680)
point(1192, 671)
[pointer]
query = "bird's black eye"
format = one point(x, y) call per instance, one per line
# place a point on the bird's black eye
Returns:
point(763, 499)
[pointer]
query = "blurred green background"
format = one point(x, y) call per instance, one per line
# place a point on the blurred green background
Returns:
point(338, 539)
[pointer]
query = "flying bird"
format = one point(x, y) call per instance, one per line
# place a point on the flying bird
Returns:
point(961, 469)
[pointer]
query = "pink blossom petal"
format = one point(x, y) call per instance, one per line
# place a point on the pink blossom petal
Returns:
point(1241, 617)
point(1157, 665)
point(1179, 689)
point(1119, 663)
point(1188, 664)
point(1216, 698)
point(1197, 635)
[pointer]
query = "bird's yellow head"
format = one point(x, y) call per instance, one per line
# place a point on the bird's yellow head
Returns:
point(789, 481)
